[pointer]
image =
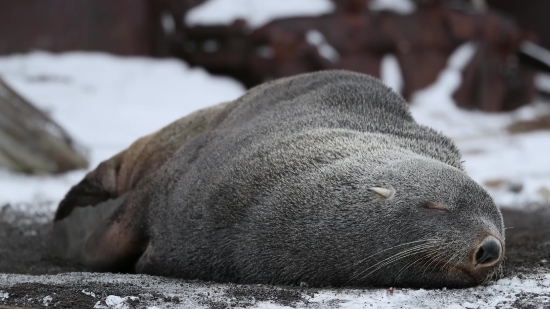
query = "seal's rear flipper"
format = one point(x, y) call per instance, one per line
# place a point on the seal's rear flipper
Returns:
point(105, 237)
point(69, 235)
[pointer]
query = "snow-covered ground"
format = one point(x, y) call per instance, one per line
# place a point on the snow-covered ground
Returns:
point(260, 12)
point(255, 12)
point(528, 292)
point(106, 102)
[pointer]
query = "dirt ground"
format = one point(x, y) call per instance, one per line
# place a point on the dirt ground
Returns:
point(24, 250)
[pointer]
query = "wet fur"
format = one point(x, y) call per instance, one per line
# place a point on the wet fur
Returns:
point(274, 187)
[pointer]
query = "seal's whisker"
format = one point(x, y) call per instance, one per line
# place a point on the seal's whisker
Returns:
point(429, 240)
point(442, 253)
point(400, 245)
point(431, 267)
point(454, 256)
point(430, 259)
point(390, 260)
point(404, 268)
point(395, 258)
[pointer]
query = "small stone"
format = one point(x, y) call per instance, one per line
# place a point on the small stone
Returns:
point(515, 187)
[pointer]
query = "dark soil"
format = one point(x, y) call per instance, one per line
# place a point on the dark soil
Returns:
point(527, 240)
point(24, 250)
point(24, 245)
point(62, 296)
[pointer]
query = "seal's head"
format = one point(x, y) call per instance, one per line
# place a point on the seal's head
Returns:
point(438, 228)
point(404, 220)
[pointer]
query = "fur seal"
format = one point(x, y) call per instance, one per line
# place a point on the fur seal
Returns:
point(323, 178)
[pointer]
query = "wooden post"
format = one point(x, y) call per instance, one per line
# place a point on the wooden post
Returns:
point(30, 141)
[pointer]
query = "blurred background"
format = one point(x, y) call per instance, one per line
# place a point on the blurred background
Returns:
point(80, 80)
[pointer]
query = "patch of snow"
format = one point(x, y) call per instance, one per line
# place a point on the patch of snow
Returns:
point(318, 40)
point(390, 73)
point(115, 302)
point(38, 193)
point(104, 102)
point(536, 51)
point(168, 23)
point(542, 82)
point(4, 295)
point(92, 294)
point(532, 291)
point(46, 300)
point(490, 153)
point(271, 305)
point(255, 12)
point(500, 294)
point(399, 6)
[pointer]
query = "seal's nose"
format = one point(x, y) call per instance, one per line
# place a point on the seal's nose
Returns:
point(488, 252)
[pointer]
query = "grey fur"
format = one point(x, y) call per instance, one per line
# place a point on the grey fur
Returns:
point(279, 192)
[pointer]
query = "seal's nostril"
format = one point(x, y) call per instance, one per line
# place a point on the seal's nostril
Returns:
point(488, 252)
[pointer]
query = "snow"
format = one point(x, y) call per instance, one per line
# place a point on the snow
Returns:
point(105, 102)
point(390, 73)
point(260, 12)
point(255, 12)
point(46, 301)
point(501, 294)
point(491, 154)
point(115, 302)
point(318, 40)
point(398, 6)
point(542, 81)
point(530, 291)
point(168, 23)
point(536, 51)
point(92, 294)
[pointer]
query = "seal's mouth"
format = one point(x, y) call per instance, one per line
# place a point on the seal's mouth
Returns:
point(460, 271)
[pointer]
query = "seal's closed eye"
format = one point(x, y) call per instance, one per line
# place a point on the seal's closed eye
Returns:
point(435, 206)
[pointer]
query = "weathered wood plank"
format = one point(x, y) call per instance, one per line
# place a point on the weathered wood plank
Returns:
point(30, 141)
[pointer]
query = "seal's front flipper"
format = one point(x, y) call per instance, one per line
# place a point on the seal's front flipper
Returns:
point(106, 237)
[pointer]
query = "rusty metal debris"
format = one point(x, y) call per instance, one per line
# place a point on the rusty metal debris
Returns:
point(495, 80)
point(422, 42)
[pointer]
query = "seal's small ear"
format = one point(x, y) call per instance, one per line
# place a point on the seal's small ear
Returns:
point(383, 193)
